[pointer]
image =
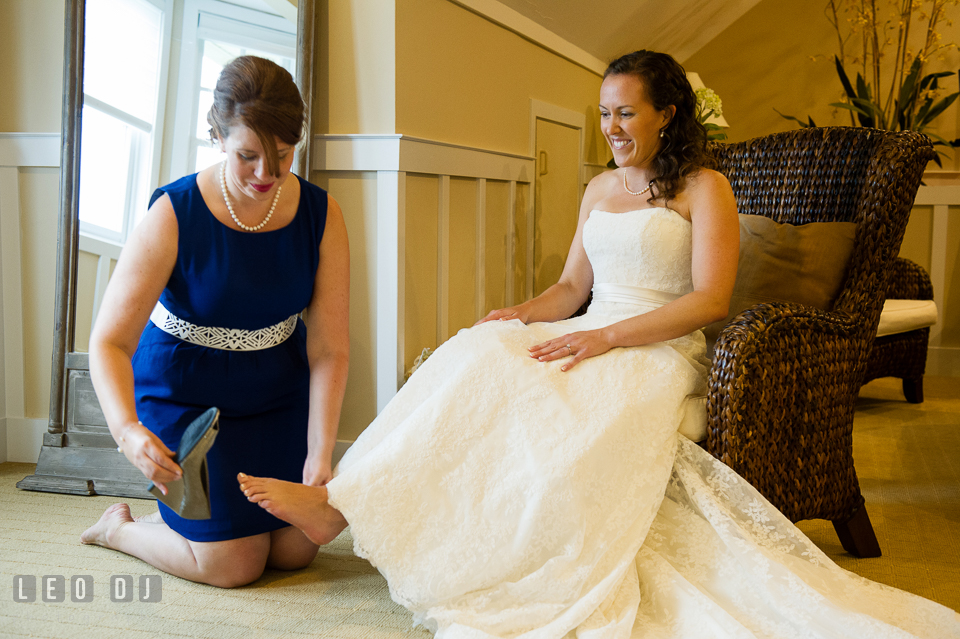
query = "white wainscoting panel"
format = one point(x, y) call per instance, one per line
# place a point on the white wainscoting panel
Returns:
point(392, 158)
point(106, 253)
point(24, 438)
point(941, 360)
point(20, 438)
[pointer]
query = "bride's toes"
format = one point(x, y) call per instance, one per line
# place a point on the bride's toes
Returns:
point(252, 487)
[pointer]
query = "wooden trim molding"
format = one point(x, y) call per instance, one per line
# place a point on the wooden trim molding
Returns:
point(30, 149)
point(360, 152)
point(391, 238)
point(527, 29)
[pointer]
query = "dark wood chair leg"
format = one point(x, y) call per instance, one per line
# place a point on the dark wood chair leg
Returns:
point(857, 536)
point(913, 390)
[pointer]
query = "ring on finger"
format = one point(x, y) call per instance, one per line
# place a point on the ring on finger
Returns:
point(569, 350)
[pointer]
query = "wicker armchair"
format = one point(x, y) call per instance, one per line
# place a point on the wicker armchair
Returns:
point(903, 355)
point(785, 377)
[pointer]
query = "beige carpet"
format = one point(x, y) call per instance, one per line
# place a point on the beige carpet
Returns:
point(908, 459)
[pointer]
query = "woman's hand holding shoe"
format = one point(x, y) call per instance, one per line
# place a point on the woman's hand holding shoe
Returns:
point(149, 454)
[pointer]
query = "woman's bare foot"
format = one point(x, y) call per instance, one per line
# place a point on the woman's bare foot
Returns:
point(103, 532)
point(153, 518)
point(305, 507)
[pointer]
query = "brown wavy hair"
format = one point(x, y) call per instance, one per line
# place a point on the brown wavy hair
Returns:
point(261, 95)
point(683, 147)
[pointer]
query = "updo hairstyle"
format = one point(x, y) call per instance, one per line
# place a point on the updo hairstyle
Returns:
point(683, 147)
point(261, 95)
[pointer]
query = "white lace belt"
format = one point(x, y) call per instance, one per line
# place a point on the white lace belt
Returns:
point(627, 294)
point(227, 339)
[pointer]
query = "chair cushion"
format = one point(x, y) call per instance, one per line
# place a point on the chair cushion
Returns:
point(693, 422)
point(900, 316)
point(786, 263)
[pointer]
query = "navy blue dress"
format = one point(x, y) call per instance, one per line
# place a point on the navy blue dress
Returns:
point(229, 278)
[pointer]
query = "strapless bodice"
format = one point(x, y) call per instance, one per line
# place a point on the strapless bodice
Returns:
point(648, 248)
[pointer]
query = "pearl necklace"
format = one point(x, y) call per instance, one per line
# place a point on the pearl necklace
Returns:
point(226, 199)
point(627, 189)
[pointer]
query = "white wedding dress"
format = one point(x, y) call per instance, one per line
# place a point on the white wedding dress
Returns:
point(501, 497)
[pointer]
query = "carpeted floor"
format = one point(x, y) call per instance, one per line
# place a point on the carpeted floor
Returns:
point(908, 460)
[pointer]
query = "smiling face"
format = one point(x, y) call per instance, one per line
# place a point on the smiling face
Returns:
point(247, 170)
point(629, 121)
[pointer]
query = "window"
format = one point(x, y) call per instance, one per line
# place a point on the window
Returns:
point(126, 151)
point(122, 65)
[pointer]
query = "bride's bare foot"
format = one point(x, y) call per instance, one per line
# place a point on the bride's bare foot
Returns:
point(103, 532)
point(305, 507)
point(153, 518)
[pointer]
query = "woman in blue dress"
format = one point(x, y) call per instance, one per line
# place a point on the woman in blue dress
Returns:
point(203, 310)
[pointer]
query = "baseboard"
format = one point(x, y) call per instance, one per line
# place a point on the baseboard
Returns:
point(943, 361)
point(24, 438)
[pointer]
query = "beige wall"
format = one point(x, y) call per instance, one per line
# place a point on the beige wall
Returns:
point(463, 79)
point(780, 55)
point(762, 62)
point(355, 67)
point(31, 51)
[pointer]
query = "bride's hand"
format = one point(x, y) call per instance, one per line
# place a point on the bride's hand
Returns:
point(520, 312)
point(575, 346)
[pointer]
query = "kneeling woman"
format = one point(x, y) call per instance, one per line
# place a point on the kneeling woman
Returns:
point(239, 249)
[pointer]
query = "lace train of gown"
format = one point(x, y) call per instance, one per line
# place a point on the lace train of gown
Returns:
point(501, 497)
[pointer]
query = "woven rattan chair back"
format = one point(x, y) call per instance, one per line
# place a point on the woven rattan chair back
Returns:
point(785, 377)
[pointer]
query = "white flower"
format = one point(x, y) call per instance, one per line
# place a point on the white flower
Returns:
point(707, 101)
point(424, 354)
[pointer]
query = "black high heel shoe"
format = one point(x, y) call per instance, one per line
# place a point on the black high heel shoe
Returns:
point(189, 496)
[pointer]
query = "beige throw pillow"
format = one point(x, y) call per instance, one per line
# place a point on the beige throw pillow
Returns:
point(786, 263)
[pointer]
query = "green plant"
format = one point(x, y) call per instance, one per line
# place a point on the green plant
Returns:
point(890, 93)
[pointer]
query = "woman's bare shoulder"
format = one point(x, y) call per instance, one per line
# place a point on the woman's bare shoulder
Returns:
point(603, 180)
point(705, 179)
point(709, 191)
point(598, 187)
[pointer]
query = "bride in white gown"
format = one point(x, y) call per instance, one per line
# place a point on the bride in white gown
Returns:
point(529, 480)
